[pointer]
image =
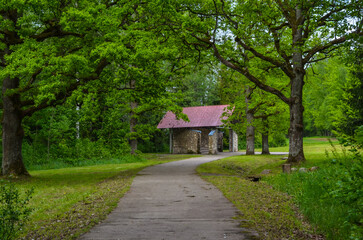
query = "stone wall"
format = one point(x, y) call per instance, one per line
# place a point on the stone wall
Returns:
point(196, 140)
point(207, 143)
point(186, 141)
point(213, 143)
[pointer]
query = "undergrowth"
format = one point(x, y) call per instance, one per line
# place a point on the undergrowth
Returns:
point(331, 198)
point(81, 162)
point(14, 210)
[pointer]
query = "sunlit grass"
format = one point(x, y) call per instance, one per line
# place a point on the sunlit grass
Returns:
point(68, 201)
point(270, 212)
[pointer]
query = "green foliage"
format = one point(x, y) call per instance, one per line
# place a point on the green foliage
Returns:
point(333, 95)
point(14, 210)
point(270, 115)
point(349, 115)
point(323, 94)
point(276, 139)
point(331, 198)
point(101, 56)
point(349, 187)
point(201, 86)
point(94, 157)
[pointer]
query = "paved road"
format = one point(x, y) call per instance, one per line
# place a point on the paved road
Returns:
point(169, 201)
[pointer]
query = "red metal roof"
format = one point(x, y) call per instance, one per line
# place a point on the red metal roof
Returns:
point(203, 116)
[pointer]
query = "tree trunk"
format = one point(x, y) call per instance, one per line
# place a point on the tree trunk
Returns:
point(13, 133)
point(250, 131)
point(133, 122)
point(296, 151)
point(265, 147)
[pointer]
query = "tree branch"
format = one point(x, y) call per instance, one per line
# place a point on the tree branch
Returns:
point(247, 74)
point(320, 48)
point(54, 31)
point(267, 115)
point(60, 97)
point(288, 13)
point(282, 65)
point(30, 82)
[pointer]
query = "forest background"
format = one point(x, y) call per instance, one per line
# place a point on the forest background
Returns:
point(88, 81)
point(96, 125)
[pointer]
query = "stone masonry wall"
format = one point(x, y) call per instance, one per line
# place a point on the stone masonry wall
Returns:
point(213, 143)
point(196, 140)
point(186, 141)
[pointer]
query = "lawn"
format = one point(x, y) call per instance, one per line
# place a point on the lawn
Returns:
point(69, 201)
point(267, 208)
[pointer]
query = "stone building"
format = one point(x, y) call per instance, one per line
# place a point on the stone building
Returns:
point(201, 134)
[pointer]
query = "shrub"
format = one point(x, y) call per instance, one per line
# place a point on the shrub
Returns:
point(278, 140)
point(13, 210)
point(331, 198)
point(349, 185)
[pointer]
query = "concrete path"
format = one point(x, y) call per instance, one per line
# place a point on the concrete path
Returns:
point(169, 201)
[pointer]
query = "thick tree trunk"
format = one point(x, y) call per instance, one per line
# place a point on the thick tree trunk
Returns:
point(296, 150)
point(250, 131)
point(13, 133)
point(250, 139)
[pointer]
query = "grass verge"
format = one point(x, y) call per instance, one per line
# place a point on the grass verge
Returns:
point(69, 201)
point(266, 209)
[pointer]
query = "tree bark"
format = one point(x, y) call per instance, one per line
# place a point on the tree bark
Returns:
point(250, 131)
point(296, 151)
point(133, 122)
point(265, 146)
point(13, 133)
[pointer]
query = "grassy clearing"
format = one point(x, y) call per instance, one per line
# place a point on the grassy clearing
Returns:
point(69, 201)
point(267, 209)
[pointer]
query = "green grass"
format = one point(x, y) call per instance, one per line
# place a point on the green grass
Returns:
point(69, 201)
point(267, 209)
point(311, 193)
point(269, 212)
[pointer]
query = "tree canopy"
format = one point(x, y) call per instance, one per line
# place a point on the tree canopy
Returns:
point(124, 63)
point(255, 38)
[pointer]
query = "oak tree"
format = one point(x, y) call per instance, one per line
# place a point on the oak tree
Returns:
point(254, 37)
point(49, 49)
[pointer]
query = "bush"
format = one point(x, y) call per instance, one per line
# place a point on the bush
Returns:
point(349, 186)
point(13, 210)
point(278, 140)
